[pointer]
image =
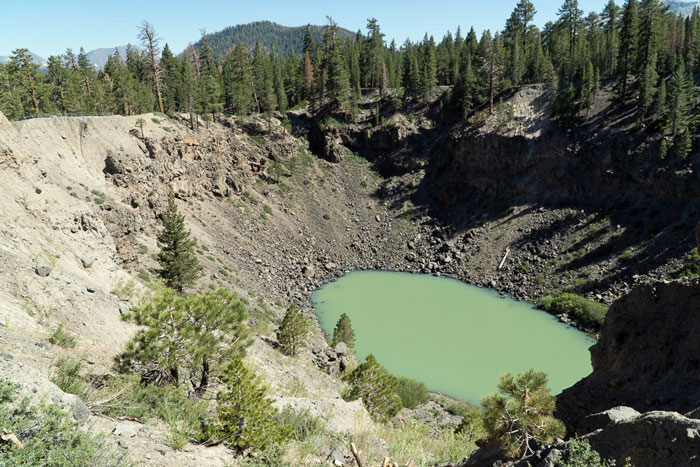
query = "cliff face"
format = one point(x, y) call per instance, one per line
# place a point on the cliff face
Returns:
point(520, 154)
point(647, 358)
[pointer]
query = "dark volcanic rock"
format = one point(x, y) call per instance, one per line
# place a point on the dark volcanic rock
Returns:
point(647, 358)
point(650, 440)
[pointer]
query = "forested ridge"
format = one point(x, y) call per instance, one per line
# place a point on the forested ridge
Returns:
point(647, 54)
point(285, 39)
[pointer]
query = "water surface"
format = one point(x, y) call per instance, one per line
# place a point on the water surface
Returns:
point(454, 337)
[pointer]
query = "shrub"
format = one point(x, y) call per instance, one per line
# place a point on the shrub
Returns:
point(66, 375)
point(415, 444)
point(581, 454)
point(412, 392)
point(376, 387)
point(291, 334)
point(49, 435)
point(179, 267)
point(247, 419)
point(62, 338)
point(691, 265)
point(343, 332)
point(127, 396)
point(585, 311)
point(125, 290)
point(272, 456)
point(187, 338)
point(303, 424)
point(520, 417)
point(472, 424)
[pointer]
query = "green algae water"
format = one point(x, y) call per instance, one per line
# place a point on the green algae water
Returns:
point(456, 338)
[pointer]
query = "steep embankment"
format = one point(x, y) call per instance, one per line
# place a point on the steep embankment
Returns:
point(647, 358)
point(80, 197)
point(593, 210)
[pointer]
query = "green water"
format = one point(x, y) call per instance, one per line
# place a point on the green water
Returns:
point(454, 337)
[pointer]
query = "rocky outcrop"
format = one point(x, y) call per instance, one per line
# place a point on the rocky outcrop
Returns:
point(334, 361)
point(647, 440)
point(325, 141)
point(529, 158)
point(647, 358)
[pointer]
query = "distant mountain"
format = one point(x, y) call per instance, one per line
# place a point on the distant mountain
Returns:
point(35, 58)
point(683, 8)
point(98, 57)
point(286, 39)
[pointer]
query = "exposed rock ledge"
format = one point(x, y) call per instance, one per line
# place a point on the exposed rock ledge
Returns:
point(647, 358)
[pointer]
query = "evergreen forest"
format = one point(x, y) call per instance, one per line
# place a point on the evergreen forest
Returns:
point(648, 55)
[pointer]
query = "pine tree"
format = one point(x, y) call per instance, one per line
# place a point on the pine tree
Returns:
point(520, 417)
point(173, 96)
point(610, 19)
point(247, 419)
point(659, 108)
point(308, 78)
point(650, 12)
point(518, 40)
point(428, 77)
point(343, 332)
point(189, 83)
point(683, 144)
point(24, 74)
point(277, 81)
point(237, 78)
point(628, 43)
point(410, 75)
point(376, 387)
point(209, 82)
point(678, 97)
point(87, 73)
point(570, 18)
point(150, 41)
point(179, 267)
point(647, 86)
point(589, 86)
point(59, 77)
point(187, 339)
point(374, 54)
point(291, 334)
point(337, 82)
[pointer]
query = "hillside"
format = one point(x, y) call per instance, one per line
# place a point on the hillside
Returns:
point(84, 194)
point(98, 57)
point(285, 39)
point(35, 59)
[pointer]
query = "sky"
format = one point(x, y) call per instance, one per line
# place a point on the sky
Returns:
point(49, 27)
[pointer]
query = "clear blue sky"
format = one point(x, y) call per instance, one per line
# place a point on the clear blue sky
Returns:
point(48, 27)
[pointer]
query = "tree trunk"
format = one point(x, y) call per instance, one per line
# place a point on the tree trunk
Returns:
point(32, 91)
point(491, 85)
point(64, 111)
point(204, 381)
point(87, 85)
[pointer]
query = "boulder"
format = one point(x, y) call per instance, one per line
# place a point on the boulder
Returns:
point(308, 271)
point(81, 412)
point(653, 439)
point(43, 271)
point(601, 420)
point(124, 430)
